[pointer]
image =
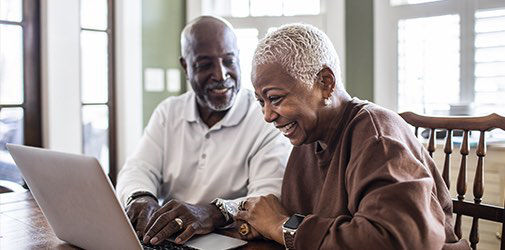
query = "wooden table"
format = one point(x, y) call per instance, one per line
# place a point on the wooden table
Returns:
point(23, 226)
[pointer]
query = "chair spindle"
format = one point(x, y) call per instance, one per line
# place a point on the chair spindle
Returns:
point(447, 163)
point(461, 183)
point(431, 144)
point(478, 188)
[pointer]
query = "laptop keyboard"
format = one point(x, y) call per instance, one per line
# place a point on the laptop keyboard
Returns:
point(166, 245)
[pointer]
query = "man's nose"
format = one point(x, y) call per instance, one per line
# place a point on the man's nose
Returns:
point(268, 114)
point(220, 73)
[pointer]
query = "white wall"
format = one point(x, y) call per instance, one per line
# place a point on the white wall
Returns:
point(61, 119)
point(61, 107)
point(335, 28)
point(385, 37)
point(128, 76)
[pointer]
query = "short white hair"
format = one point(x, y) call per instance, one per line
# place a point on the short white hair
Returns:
point(302, 50)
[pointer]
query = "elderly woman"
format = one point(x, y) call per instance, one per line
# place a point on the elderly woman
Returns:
point(357, 178)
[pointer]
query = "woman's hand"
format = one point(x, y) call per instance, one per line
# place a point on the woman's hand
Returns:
point(241, 230)
point(265, 214)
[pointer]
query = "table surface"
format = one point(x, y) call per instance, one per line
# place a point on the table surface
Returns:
point(23, 226)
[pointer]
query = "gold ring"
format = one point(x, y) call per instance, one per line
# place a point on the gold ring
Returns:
point(241, 206)
point(179, 222)
point(244, 229)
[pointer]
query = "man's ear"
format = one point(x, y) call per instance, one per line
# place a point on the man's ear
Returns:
point(327, 81)
point(184, 65)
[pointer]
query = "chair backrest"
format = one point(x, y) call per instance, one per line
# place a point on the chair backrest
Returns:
point(476, 209)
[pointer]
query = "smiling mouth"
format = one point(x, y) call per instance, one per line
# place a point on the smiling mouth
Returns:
point(219, 91)
point(287, 129)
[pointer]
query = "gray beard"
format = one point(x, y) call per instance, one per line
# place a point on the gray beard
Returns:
point(221, 107)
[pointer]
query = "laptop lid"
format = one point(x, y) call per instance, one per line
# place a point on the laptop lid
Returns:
point(80, 204)
point(76, 197)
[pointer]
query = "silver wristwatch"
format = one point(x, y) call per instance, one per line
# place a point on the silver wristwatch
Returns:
point(289, 230)
point(228, 208)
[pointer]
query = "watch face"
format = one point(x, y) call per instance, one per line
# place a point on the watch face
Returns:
point(294, 221)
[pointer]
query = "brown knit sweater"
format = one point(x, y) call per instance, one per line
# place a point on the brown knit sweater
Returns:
point(373, 187)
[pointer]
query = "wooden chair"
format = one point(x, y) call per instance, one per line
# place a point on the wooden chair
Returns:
point(476, 209)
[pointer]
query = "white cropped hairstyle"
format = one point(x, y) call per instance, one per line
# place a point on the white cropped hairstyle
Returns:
point(301, 49)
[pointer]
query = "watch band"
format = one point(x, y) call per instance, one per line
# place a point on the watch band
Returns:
point(289, 228)
point(228, 208)
point(139, 194)
point(289, 238)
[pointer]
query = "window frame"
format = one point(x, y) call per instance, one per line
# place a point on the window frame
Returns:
point(386, 19)
point(32, 112)
point(111, 99)
point(263, 23)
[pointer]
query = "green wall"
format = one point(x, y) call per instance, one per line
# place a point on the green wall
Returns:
point(359, 48)
point(162, 23)
point(163, 20)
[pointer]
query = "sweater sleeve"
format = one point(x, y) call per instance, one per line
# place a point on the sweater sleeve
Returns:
point(392, 203)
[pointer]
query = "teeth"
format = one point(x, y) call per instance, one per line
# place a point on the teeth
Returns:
point(219, 91)
point(286, 129)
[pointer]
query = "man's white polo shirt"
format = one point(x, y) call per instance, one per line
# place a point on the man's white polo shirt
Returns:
point(179, 157)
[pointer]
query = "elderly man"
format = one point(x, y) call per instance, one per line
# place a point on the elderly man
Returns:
point(204, 151)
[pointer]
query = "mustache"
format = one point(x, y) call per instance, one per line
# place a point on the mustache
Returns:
point(228, 83)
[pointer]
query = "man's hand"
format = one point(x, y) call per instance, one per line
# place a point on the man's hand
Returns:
point(140, 211)
point(196, 219)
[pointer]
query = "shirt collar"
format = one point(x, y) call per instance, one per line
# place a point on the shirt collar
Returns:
point(191, 112)
point(234, 115)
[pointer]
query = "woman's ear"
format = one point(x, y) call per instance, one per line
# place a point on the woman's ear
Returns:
point(326, 80)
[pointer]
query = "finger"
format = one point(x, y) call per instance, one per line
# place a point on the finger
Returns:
point(241, 204)
point(250, 202)
point(271, 196)
point(189, 232)
point(248, 236)
point(253, 234)
point(150, 223)
point(132, 217)
point(242, 215)
point(158, 225)
point(166, 208)
point(245, 204)
point(165, 232)
point(130, 212)
point(237, 235)
point(154, 218)
point(142, 221)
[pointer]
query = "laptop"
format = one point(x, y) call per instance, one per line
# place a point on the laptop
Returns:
point(80, 204)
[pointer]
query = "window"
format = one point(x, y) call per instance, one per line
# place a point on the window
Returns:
point(490, 59)
point(97, 82)
point(428, 63)
point(244, 8)
point(247, 40)
point(448, 56)
point(20, 114)
point(402, 2)
point(252, 19)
